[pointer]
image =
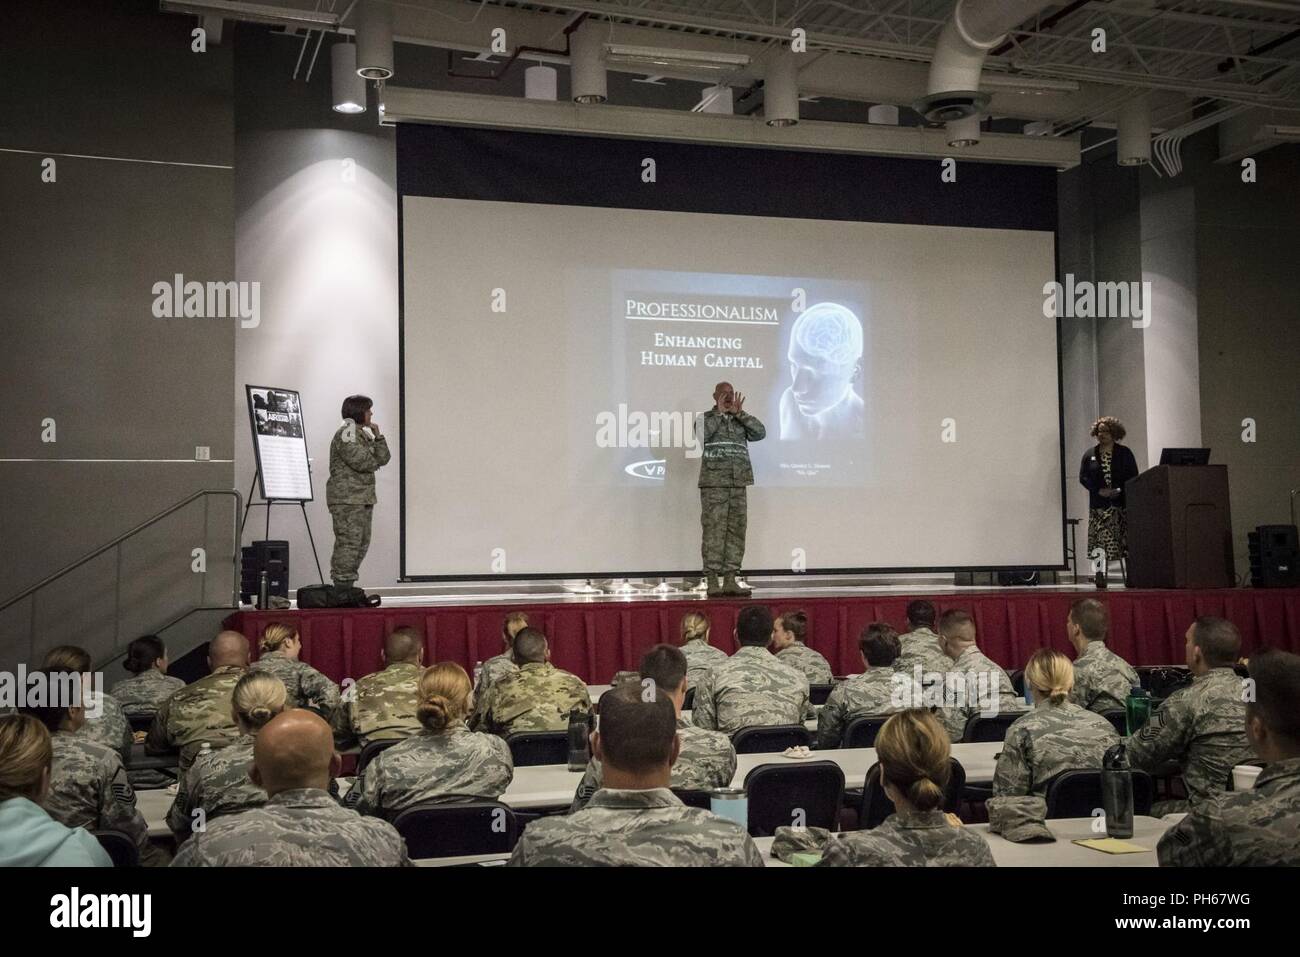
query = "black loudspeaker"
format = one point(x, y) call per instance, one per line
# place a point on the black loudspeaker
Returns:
point(273, 557)
point(1274, 557)
point(1019, 578)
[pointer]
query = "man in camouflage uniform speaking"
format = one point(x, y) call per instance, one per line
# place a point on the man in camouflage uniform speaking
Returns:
point(357, 450)
point(725, 432)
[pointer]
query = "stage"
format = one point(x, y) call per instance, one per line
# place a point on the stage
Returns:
point(594, 637)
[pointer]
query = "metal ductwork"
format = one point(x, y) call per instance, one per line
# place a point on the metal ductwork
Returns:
point(974, 29)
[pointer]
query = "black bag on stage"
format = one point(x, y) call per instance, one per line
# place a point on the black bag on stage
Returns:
point(327, 596)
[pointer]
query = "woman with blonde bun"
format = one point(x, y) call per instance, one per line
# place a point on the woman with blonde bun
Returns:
point(913, 749)
point(29, 837)
point(279, 653)
point(217, 782)
point(1056, 736)
point(701, 657)
point(443, 760)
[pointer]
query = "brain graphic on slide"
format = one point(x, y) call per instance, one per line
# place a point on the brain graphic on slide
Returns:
point(829, 331)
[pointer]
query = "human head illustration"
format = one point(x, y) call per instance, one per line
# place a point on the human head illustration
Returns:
point(825, 356)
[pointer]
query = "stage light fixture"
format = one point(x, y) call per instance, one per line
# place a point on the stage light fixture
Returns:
point(374, 40)
point(541, 82)
point(587, 78)
point(348, 88)
point(963, 132)
point(781, 91)
point(1133, 144)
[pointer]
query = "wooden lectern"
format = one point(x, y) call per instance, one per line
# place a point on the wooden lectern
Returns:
point(1180, 528)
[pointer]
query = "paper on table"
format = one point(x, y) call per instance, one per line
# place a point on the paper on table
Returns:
point(1110, 845)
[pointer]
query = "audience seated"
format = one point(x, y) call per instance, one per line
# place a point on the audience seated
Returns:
point(300, 825)
point(381, 706)
point(105, 721)
point(149, 685)
point(788, 634)
point(537, 697)
point(1058, 735)
point(921, 645)
point(1102, 679)
point(1259, 827)
point(700, 655)
point(199, 713)
point(871, 692)
point(1198, 731)
point(913, 750)
point(979, 684)
point(29, 837)
point(705, 759)
point(444, 759)
point(88, 786)
point(751, 688)
point(634, 819)
point(306, 687)
point(217, 781)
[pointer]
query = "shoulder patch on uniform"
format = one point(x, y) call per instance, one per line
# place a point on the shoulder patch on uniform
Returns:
point(123, 793)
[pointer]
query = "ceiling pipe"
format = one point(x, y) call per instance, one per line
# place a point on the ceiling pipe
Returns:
point(953, 91)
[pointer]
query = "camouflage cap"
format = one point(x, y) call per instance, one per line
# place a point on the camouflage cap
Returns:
point(1019, 818)
point(788, 842)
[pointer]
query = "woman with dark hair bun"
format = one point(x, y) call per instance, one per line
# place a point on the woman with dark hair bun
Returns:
point(150, 685)
point(1104, 470)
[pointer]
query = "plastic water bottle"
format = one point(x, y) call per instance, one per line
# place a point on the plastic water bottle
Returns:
point(263, 591)
point(1137, 709)
point(1117, 792)
point(579, 740)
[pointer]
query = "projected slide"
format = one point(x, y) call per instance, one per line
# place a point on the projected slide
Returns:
point(556, 359)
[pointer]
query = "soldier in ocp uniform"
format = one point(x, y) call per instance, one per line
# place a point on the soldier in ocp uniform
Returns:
point(701, 656)
point(88, 784)
point(537, 697)
point(1259, 827)
point(871, 692)
point(381, 706)
point(725, 432)
point(705, 759)
point(300, 825)
point(751, 688)
point(1056, 736)
point(281, 648)
point(218, 781)
point(149, 685)
point(498, 666)
point(444, 760)
point(635, 819)
point(199, 713)
point(1198, 731)
point(357, 451)
point(913, 751)
point(1102, 679)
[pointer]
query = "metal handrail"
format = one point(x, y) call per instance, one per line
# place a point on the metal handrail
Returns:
point(239, 501)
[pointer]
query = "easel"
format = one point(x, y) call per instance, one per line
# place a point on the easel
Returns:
point(278, 501)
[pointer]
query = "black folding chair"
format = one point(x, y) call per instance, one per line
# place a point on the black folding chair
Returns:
point(458, 829)
point(1163, 680)
point(770, 739)
point(1118, 718)
point(140, 722)
point(993, 728)
point(862, 730)
point(1078, 793)
point(876, 805)
point(121, 849)
point(371, 750)
point(1018, 681)
point(818, 694)
point(688, 703)
point(531, 748)
point(692, 797)
point(806, 794)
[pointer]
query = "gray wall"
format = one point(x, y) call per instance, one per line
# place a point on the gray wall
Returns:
point(82, 346)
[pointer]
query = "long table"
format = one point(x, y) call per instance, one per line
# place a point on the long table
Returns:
point(1063, 852)
point(553, 785)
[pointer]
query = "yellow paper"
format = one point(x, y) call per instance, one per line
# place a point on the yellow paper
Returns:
point(1111, 845)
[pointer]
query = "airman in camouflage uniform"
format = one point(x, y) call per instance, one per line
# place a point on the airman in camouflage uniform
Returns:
point(89, 788)
point(725, 432)
point(749, 689)
point(1102, 679)
point(808, 660)
point(218, 783)
point(649, 828)
point(909, 839)
point(306, 687)
point(707, 760)
point(433, 765)
point(109, 726)
point(1048, 740)
point(144, 693)
point(1199, 730)
point(868, 693)
point(357, 451)
point(381, 706)
point(537, 697)
point(198, 713)
point(986, 677)
point(701, 657)
point(303, 827)
point(921, 646)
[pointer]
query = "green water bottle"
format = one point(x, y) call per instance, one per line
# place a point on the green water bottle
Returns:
point(1137, 708)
